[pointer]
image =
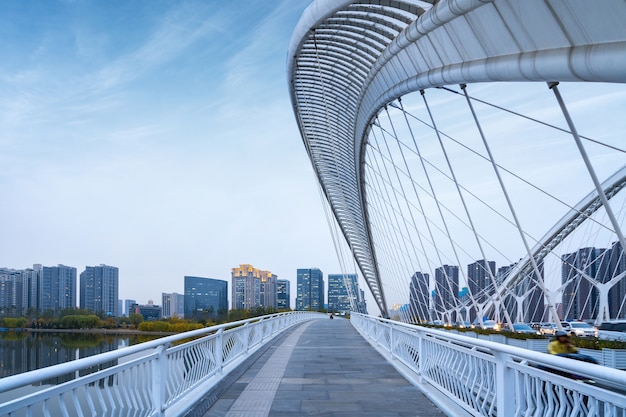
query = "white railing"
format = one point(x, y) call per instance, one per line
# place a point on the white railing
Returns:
point(154, 376)
point(486, 378)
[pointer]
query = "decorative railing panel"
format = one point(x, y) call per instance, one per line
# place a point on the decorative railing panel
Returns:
point(486, 378)
point(154, 382)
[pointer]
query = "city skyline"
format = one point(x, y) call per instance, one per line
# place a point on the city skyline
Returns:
point(137, 108)
point(98, 283)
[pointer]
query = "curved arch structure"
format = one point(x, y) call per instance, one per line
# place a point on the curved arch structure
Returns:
point(348, 58)
point(566, 225)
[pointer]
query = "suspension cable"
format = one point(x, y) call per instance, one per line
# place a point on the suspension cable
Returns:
point(615, 148)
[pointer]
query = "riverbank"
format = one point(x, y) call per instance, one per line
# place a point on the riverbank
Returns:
point(116, 332)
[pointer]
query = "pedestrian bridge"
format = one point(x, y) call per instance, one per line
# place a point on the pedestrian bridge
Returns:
point(437, 130)
point(364, 76)
point(301, 363)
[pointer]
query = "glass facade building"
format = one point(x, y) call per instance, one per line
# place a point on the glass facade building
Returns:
point(343, 293)
point(205, 297)
point(310, 294)
point(283, 295)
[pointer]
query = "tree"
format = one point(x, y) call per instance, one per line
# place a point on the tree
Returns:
point(135, 319)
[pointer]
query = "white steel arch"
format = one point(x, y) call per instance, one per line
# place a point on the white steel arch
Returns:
point(349, 58)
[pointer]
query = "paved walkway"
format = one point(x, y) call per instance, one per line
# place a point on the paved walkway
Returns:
point(321, 368)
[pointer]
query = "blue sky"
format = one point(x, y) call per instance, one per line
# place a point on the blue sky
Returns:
point(157, 137)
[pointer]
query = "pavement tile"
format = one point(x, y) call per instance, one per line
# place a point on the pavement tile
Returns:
point(331, 372)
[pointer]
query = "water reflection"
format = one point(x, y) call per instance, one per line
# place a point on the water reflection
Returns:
point(25, 351)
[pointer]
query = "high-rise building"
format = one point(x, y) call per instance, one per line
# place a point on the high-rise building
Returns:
point(343, 293)
point(99, 287)
point(617, 294)
point(205, 297)
point(283, 294)
point(525, 301)
point(128, 307)
point(252, 287)
point(310, 295)
point(446, 290)
point(419, 298)
point(267, 288)
point(579, 296)
point(613, 263)
point(479, 276)
point(362, 302)
point(173, 304)
point(503, 272)
point(9, 284)
point(57, 288)
point(534, 304)
point(32, 282)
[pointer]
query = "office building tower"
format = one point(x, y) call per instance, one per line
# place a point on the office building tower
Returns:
point(57, 288)
point(128, 310)
point(205, 297)
point(99, 287)
point(149, 312)
point(283, 294)
point(173, 305)
point(419, 298)
point(310, 291)
point(362, 302)
point(479, 276)
point(446, 291)
point(120, 307)
point(579, 296)
point(343, 293)
point(252, 287)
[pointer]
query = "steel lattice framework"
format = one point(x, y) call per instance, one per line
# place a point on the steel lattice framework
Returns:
point(348, 58)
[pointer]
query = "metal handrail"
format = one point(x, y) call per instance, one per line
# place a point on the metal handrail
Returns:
point(486, 378)
point(153, 384)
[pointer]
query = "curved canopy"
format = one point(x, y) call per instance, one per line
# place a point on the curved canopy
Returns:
point(348, 58)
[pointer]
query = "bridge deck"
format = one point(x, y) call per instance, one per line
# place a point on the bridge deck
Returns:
point(322, 368)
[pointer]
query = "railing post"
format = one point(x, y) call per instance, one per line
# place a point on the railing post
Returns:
point(246, 336)
point(219, 349)
point(506, 397)
point(390, 340)
point(159, 375)
point(420, 356)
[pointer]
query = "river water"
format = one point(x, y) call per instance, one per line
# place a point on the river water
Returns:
point(25, 351)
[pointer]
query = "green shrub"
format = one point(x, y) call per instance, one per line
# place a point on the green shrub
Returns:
point(14, 322)
point(597, 344)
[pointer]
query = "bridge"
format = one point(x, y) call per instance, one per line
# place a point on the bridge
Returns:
point(422, 120)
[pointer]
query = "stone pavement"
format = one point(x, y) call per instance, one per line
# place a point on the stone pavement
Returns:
point(321, 368)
